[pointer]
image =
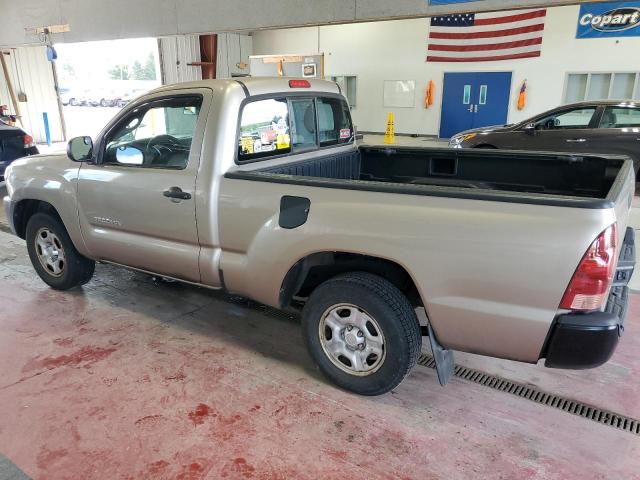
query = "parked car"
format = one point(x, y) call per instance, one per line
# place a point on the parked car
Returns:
point(14, 143)
point(73, 98)
point(605, 126)
point(510, 254)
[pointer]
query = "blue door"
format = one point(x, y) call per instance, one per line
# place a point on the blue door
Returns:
point(473, 100)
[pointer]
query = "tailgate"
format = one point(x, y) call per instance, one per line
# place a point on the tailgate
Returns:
point(621, 195)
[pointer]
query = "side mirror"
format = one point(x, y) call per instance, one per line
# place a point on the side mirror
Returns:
point(129, 155)
point(80, 149)
point(530, 128)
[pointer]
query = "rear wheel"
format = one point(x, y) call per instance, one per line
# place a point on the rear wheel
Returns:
point(54, 256)
point(362, 332)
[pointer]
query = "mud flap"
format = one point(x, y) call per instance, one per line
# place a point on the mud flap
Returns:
point(443, 358)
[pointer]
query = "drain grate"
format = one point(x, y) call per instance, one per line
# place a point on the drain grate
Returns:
point(534, 394)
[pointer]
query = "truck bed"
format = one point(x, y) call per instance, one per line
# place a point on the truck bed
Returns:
point(587, 181)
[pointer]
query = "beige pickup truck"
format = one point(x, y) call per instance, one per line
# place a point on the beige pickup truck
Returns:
point(257, 186)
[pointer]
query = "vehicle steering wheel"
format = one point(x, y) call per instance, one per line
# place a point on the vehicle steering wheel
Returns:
point(162, 143)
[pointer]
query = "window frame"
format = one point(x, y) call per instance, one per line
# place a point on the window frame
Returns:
point(635, 92)
point(128, 115)
point(605, 107)
point(288, 96)
point(594, 121)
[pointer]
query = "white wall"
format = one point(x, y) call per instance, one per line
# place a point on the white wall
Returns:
point(396, 50)
point(32, 75)
point(233, 55)
point(176, 53)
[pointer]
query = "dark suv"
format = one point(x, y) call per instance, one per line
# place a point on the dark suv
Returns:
point(14, 143)
point(603, 126)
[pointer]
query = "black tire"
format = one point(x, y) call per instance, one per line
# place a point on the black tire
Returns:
point(77, 270)
point(390, 309)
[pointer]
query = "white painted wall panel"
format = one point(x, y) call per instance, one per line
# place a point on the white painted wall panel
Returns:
point(31, 74)
point(233, 53)
point(176, 52)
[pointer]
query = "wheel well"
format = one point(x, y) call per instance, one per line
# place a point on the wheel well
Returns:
point(25, 209)
point(311, 271)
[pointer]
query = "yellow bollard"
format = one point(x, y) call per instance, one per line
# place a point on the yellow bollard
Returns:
point(389, 134)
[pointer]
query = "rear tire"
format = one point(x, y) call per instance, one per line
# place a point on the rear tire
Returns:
point(53, 255)
point(362, 332)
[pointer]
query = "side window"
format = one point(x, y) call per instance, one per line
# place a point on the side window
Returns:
point(334, 122)
point(570, 119)
point(264, 129)
point(303, 123)
point(620, 117)
point(158, 135)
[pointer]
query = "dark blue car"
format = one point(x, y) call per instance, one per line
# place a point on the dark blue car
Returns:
point(14, 143)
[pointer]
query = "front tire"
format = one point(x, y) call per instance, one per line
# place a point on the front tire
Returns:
point(362, 332)
point(53, 255)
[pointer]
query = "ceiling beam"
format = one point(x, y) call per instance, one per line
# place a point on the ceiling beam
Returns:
point(114, 19)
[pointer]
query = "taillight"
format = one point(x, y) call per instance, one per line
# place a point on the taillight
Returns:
point(299, 84)
point(589, 286)
point(28, 141)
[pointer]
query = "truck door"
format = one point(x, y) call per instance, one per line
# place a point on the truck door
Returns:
point(137, 199)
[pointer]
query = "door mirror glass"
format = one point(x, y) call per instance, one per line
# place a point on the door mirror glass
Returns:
point(128, 155)
point(80, 149)
point(529, 128)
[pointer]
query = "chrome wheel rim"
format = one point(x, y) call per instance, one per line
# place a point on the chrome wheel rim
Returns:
point(50, 252)
point(352, 339)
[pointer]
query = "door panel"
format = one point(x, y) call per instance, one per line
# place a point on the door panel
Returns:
point(492, 98)
point(457, 103)
point(473, 100)
point(132, 215)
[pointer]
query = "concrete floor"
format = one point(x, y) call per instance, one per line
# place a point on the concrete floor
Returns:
point(127, 379)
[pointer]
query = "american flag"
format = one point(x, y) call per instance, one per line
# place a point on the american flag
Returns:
point(485, 37)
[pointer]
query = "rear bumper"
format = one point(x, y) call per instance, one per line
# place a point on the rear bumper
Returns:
point(587, 340)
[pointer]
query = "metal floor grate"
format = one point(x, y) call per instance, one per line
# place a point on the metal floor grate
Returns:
point(539, 396)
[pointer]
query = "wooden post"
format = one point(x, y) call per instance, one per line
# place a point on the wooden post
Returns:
point(12, 93)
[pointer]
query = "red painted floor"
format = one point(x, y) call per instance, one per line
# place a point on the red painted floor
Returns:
point(127, 379)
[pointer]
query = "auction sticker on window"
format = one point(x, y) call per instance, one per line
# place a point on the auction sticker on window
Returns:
point(345, 133)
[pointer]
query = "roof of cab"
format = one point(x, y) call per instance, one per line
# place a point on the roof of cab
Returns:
point(258, 85)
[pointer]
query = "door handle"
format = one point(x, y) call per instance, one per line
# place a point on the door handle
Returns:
point(475, 108)
point(471, 108)
point(177, 193)
point(576, 140)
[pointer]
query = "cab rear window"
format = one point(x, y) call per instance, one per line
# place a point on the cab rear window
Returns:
point(279, 126)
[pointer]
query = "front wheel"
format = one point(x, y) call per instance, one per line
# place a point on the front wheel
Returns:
point(362, 332)
point(53, 255)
